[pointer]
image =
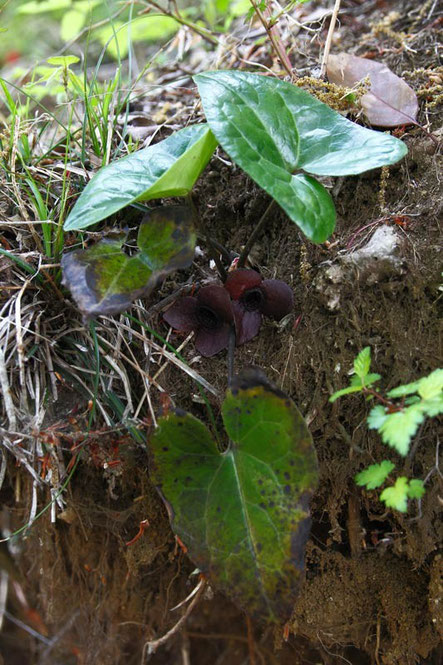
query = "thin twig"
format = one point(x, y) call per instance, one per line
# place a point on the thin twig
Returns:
point(54, 640)
point(188, 597)
point(4, 585)
point(275, 39)
point(329, 37)
point(152, 646)
point(20, 455)
point(172, 358)
point(3, 468)
point(251, 645)
point(205, 34)
point(179, 349)
point(27, 628)
point(162, 304)
point(252, 238)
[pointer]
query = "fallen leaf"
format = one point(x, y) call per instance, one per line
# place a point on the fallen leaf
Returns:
point(390, 102)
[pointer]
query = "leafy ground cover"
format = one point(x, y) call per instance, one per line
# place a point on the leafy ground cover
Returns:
point(94, 571)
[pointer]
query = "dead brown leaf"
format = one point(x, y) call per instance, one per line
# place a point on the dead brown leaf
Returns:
point(390, 101)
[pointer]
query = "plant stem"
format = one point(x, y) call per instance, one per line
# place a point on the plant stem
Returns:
point(151, 646)
point(231, 353)
point(252, 238)
point(251, 645)
point(383, 400)
point(206, 34)
point(226, 254)
point(275, 39)
point(329, 37)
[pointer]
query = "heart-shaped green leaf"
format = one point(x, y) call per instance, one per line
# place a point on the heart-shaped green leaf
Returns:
point(105, 280)
point(243, 513)
point(168, 168)
point(273, 129)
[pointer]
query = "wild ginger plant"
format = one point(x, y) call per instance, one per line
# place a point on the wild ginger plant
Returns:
point(280, 135)
point(259, 474)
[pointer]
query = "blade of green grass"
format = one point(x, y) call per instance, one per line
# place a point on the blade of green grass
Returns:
point(23, 265)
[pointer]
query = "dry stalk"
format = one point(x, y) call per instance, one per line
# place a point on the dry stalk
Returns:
point(151, 647)
point(275, 39)
point(179, 349)
point(20, 346)
point(6, 391)
point(330, 34)
point(4, 584)
point(172, 358)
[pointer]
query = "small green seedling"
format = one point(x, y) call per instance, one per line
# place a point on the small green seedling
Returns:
point(280, 135)
point(397, 419)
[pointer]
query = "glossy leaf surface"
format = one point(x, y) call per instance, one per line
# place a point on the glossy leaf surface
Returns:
point(168, 168)
point(243, 513)
point(105, 280)
point(273, 130)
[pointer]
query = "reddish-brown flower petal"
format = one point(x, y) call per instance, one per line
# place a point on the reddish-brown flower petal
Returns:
point(210, 342)
point(247, 323)
point(182, 314)
point(279, 298)
point(241, 280)
point(216, 298)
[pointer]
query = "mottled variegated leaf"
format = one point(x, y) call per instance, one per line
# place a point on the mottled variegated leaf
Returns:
point(243, 513)
point(103, 279)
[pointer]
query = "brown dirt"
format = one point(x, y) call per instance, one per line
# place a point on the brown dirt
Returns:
point(373, 589)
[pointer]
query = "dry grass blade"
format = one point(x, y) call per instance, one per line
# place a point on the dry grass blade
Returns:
point(330, 34)
point(152, 646)
point(21, 455)
point(171, 357)
point(6, 392)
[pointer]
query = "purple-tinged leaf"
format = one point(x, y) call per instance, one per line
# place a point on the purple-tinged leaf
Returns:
point(105, 280)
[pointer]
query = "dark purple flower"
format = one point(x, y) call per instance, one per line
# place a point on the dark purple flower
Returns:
point(209, 314)
point(252, 296)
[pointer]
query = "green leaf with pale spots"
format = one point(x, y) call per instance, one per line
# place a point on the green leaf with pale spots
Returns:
point(243, 513)
point(105, 280)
